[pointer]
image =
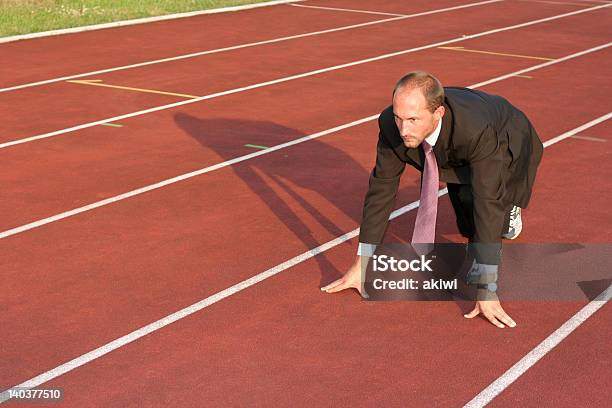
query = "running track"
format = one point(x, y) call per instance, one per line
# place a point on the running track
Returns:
point(78, 282)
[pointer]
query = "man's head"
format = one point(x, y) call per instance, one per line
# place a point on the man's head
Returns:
point(417, 106)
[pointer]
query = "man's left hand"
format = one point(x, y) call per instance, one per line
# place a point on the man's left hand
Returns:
point(492, 310)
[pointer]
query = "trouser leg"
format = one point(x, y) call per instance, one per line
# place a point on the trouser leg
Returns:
point(471, 269)
point(462, 200)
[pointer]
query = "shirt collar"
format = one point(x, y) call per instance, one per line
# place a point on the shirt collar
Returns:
point(433, 137)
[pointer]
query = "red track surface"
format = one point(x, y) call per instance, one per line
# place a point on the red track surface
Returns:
point(81, 282)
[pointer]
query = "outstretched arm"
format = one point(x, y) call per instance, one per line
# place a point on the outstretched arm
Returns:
point(487, 170)
point(378, 204)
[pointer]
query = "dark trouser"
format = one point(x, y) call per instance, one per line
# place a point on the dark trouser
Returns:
point(463, 203)
point(488, 254)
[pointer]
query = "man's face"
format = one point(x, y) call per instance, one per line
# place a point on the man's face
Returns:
point(413, 120)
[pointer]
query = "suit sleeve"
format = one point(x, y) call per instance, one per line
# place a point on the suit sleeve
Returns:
point(486, 165)
point(382, 190)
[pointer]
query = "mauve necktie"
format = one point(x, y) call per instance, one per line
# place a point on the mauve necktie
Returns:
point(425, 225)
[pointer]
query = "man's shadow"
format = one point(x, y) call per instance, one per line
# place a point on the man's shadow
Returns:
point(326, 170)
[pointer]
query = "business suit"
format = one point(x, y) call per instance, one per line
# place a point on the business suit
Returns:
point(487, 152)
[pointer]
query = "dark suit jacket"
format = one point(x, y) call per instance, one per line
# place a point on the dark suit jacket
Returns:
point(484, 141)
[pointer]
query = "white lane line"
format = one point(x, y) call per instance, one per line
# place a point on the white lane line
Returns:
point(140, 21)
point(289, 78)
point(578, 129)
point(176, 179)
point(347, 10)
point(524, 364)
point(110, 200)
point(204, 303)
point(240, 46)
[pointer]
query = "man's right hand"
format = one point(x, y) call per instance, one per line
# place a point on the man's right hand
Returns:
point(351, 279)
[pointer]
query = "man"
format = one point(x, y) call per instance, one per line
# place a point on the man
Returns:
point(487, 152)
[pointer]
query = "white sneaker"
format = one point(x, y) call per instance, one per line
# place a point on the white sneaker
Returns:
point(516, 224)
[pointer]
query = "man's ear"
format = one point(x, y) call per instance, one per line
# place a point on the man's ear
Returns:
point(439, 112)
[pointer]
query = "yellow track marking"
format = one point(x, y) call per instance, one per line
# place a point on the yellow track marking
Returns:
point(592, 139)
point(495, 53)
point(561, 2)
point(97, 82)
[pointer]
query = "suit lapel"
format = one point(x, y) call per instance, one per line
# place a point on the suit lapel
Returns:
point(442, 145)
point(417, 156)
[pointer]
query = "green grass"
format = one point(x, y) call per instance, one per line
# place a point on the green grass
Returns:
point(30, 16)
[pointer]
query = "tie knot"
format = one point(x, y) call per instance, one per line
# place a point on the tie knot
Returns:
point(426, 147)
